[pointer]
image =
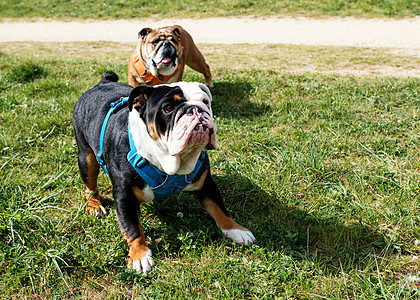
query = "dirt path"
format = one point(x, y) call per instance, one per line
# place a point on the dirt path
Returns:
point(400, 34)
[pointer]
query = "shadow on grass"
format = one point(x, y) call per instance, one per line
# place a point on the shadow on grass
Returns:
point(277, 227)
point(329, 241)
point(232, 100)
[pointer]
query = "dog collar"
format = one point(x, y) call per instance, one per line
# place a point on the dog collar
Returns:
point(148, 77)
point(162, 184)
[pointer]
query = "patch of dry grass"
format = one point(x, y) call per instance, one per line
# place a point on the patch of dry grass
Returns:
point(284, 58)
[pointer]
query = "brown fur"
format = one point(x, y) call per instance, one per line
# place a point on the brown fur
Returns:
point(199, 183)
point(139, 194)
point(223, 221)
point(151, 128)
point(188, 54)
point(137, 248)
point(94, 205)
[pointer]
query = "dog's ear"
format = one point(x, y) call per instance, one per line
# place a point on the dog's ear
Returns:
point(206, 90)
point(176, 31)
point(139, 96)
point(144, 32)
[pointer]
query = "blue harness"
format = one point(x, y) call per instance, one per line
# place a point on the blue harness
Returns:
point(162, 184)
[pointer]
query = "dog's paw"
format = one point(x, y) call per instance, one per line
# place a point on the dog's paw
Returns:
point(145, 264)
point(243, 237)
point(95, 208)
point(96, 211)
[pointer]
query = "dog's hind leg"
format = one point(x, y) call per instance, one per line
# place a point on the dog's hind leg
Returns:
point(196, 62)
point(89, 171)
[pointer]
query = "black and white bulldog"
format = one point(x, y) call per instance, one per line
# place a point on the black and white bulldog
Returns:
point(151, 141)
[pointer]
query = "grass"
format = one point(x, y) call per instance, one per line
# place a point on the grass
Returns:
point(322, 167)
point(190, 8)
point(286, 58)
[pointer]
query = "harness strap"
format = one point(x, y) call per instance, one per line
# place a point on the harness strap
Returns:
point(148, 77)
point(162, 184)
point(114, 106)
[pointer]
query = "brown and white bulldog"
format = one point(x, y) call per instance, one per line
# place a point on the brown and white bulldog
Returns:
point(161, 55)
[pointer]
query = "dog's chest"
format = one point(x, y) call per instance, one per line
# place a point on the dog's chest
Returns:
point(162, 184)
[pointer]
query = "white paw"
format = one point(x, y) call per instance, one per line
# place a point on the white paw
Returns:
point(243, 237)
point(97, 212)
point(145, 264)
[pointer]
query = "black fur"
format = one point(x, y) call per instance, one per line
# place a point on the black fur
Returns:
point(88, 116)
point(161, 109)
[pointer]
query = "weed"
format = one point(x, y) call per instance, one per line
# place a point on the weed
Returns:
point(24, 72)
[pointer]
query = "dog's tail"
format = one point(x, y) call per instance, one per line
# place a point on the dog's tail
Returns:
point(109, 76)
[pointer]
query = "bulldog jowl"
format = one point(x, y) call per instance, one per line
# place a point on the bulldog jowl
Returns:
point(165, 57)
point(194, 129)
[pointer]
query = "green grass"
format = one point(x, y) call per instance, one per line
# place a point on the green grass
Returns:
point(211, 8)
point(323, 168)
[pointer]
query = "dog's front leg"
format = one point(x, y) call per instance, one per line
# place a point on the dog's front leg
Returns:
point(128, 213)
point(210, 197)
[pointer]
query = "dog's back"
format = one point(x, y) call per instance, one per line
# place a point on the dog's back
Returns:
point(92, 107)
point(108, 87)
point(95, 102)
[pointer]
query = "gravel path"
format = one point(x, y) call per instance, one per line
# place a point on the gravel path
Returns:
point(399, 34)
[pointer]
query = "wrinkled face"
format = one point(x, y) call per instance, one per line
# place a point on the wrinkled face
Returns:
point(160, 47)
point(178, 117)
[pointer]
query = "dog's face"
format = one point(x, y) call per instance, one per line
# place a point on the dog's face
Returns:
point(178, 120)
point(160, 48)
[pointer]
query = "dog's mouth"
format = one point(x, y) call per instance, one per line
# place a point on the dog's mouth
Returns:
point(165, 62)
point(193, 130)
point(165, 57)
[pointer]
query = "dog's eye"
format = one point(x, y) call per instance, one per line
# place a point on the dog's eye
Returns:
point(155, 42)
point(168, 108)
point(206, 102)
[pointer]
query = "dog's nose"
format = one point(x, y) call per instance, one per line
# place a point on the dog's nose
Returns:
point(193, 110)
